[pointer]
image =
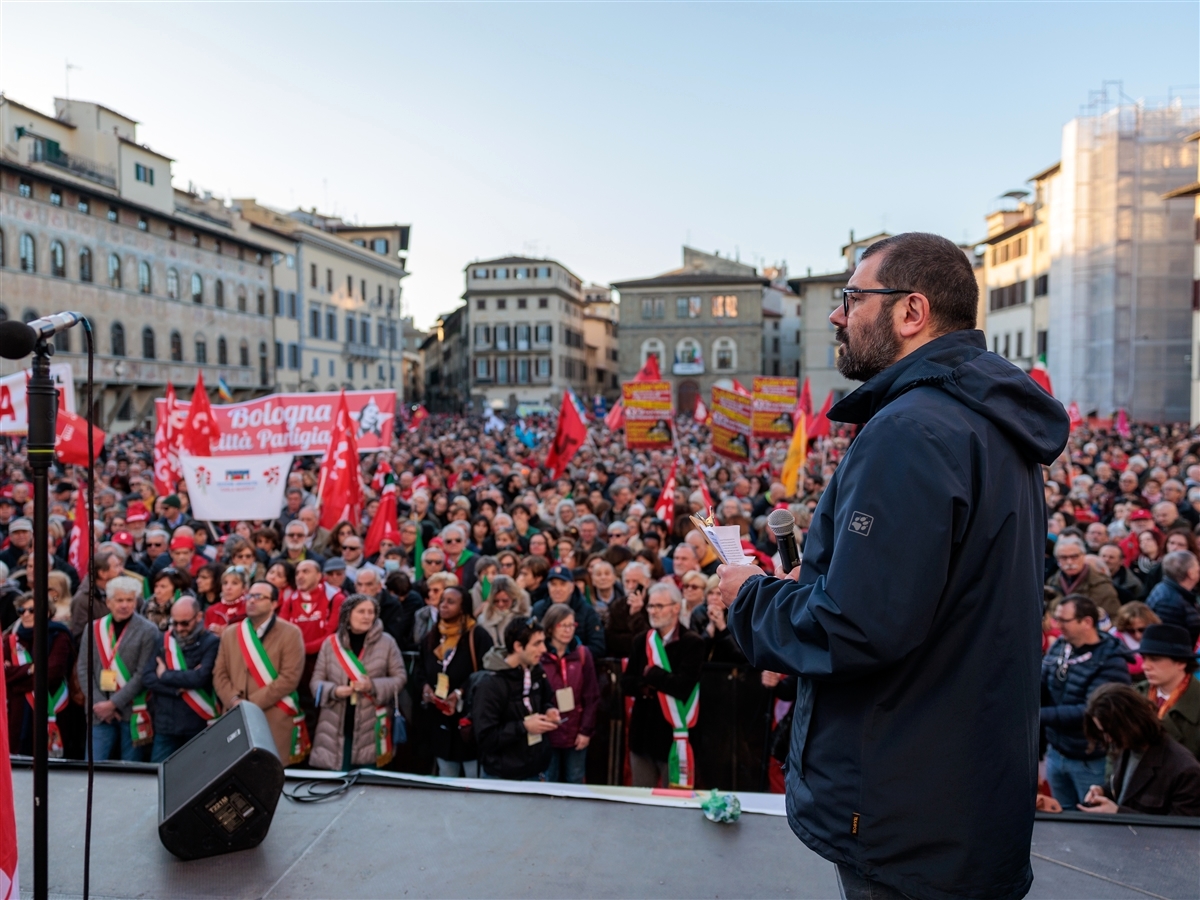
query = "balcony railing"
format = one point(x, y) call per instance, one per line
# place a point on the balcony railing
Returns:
point(49, 153)
point(362, 351)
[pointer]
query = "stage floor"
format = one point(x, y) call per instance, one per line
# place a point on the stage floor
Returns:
point(376, 841)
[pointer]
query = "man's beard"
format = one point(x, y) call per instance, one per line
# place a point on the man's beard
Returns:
point(875, 348)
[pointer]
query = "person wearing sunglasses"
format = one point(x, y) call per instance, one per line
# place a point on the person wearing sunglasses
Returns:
point(459, 560)
point(17, 649)
point(951, 436)
point(1130, 624)
point(180, 676)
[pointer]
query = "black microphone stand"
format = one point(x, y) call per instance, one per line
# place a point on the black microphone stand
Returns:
point(42, 398)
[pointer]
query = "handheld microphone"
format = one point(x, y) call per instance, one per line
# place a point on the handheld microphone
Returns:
point(782, 523)
point(18, 339)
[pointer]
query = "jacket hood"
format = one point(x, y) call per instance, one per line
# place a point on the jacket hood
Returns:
point(495, 660)
point(960, 364)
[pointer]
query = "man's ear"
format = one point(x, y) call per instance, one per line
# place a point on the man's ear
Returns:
point(913, 316)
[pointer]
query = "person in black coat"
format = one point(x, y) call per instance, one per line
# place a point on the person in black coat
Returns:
point(1074, 666)
point(560, 584)
point(450, 653)
point(920, 594)
point(651, 736)
point(1152, 773)
point(512, 708)
point(176, 721)
point(1173, 599)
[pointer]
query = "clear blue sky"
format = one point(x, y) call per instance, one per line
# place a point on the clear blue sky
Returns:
point(606, 134)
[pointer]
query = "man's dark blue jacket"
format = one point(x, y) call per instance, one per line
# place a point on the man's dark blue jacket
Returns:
point(1069, 679)
point(916, 625)
point(1176, 606)
point(169, 710)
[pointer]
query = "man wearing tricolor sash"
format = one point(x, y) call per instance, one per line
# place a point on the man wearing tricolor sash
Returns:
point(663, 677)
point(261, 660)
point(18, 675)
point(122, 641)
point(180, 676)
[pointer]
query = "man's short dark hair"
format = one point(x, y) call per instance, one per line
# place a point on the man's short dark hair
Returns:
point(1085, 607)
point(932, 265)
point(520, 631)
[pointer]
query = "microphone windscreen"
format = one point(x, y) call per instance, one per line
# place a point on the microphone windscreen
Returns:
point(17, 339)
point(781, 522)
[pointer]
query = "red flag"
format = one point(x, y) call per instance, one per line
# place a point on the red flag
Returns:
point(568, 437)
point(665, 507)
point(649, 372)
point(420, 414)
point(701, 413)
point(1123, 425)
point(70, 436)
point(200, 431)
point(382, 471)
point(820, 423)
point(1041, 375)
point(739, 388)
point(384, 525)
point(804, 407)
point(340, 488)
point(168, 437)
point(1074, 416)
point(9, 879)
point(615, 420)
point(708, 500)
point(82, 535)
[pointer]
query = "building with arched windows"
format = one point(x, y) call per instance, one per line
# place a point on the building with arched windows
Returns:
point(704, 322)
point(89, 221)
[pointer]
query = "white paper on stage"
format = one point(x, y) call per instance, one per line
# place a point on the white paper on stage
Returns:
point(14, 411)
point(224, 488)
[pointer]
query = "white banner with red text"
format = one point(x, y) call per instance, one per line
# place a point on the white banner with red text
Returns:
point(231, 488)
point(297, 423)
point(14, 411)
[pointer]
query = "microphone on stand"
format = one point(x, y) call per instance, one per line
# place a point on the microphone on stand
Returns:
point(782, 523)
point(18, 339)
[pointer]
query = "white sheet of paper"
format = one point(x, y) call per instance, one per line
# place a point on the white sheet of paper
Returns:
point(727, 540)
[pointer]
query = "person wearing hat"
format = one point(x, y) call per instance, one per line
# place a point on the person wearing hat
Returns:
point(560, 585)
point(136, 517)
point(183, 555)
point(1169, 662)
point(173, 515)
point(337, 575)
point(20, 540)
point(1139, 520)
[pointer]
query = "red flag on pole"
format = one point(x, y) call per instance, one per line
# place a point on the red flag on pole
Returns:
point(70, 436)
point(1074, 416)
point(200, 431)
point(1122, 425)
point(420, 414)
point(804, 407)
point(615, 420)
point(168, 436)
point(739, 388)
point(82, 535)
point(9, 878)
point(665, 507)
point(701, 413)
point(649, 371)
point(820, 422)
point(708, 500)
point(568, 437)
point(340, 489)
point(384, 525)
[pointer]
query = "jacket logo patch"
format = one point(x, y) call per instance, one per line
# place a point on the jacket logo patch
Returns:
point(854, 824)
point(860, 523)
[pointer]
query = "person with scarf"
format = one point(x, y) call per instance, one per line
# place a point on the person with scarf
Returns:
point(1169, 664)
point(1076, 576)
point(357, 677)
point(232, 608)
point(506, 601)
point(450, 653)
point(18, 677)
point(165, 588)
point(180, 678)
point(571, 672)
point(313, 607)
point(121, 642)
point(260, 661)
point(459, 560)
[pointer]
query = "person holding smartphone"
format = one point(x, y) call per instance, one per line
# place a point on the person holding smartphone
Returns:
point(627, 614)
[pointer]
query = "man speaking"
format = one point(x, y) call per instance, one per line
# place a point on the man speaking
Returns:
point(915, 618)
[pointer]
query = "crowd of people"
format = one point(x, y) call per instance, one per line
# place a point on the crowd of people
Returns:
point(482, 642)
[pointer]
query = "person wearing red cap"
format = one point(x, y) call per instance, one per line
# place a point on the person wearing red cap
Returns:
point(1139, 520)
point(184, 556)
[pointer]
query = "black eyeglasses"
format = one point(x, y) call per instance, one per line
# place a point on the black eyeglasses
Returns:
point(846, 292)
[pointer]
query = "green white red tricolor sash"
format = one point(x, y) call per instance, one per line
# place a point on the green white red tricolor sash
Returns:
point(203, 703)
point(681, 764)
point(58, 699)
point(264, 673)
point(356, 671)
point(107, 646)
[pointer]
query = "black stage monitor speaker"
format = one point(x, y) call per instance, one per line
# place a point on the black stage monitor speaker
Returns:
point(217, 793)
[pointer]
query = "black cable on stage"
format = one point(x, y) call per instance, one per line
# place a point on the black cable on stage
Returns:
point(89, 635)
point(316, 791)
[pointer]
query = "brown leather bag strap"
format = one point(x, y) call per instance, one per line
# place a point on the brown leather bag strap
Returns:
point(471, 643)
